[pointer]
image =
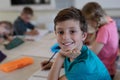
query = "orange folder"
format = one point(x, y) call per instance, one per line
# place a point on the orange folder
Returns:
point(16, 64)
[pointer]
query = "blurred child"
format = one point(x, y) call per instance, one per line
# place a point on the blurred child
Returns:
point(106, 43)
point(22, 23)
point(6, 31)
point(82, 63)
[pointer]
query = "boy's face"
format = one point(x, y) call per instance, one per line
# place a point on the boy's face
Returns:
point(69, 35)
point(26, 17)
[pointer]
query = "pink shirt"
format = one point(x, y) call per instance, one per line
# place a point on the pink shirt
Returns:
point(108, 35)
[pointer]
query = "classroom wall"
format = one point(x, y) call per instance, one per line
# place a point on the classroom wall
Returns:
point(42, 16)
point(45, 15)
point(107, 4)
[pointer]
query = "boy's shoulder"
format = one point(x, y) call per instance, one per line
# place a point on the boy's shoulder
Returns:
point(18, 20)
point(87, 55)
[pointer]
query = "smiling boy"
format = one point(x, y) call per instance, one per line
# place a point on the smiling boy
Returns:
point(81, 63)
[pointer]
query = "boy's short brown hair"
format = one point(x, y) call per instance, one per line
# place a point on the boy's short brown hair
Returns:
point(71, 13)
point(27, 10)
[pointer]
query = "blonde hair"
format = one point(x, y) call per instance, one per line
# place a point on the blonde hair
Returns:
point(93, 11)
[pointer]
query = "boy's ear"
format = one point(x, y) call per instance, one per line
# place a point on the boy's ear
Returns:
point(84, 36)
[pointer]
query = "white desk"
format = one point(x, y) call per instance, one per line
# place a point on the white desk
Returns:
point(23, 73)
point(38, 50)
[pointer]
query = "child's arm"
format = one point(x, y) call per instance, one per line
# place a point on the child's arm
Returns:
point(55, 70)
point(96, 47)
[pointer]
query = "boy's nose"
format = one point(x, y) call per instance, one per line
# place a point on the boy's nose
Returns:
point(66, 36)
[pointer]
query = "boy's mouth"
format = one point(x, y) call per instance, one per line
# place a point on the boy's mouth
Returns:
point(67, 43)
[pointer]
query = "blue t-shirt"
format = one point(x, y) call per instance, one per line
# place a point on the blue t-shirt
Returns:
point(87, 66)
point(20, 27)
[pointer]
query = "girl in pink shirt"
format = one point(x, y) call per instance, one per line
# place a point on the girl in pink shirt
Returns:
point(106, 42)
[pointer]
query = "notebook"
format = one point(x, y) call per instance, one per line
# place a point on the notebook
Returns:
point(37, 37)
point(42, 75)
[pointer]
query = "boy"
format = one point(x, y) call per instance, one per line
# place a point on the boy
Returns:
point(22, 23)
point(81, 63)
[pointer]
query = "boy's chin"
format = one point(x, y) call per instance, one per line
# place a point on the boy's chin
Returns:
point(68, 49)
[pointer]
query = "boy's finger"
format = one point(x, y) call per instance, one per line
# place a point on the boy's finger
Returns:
point(44, 62)
point(43, 67)
point(47, 67)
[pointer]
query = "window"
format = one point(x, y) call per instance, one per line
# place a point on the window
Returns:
point(29, 2)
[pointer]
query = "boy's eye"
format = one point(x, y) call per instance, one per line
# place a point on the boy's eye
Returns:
point(73, 31)
point(60, 32)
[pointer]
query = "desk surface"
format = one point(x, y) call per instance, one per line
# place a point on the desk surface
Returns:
point(38, 50)
point(23, 73)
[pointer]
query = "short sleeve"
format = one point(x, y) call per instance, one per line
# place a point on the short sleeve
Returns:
point(19, 28)
point(30, 26)
point(102, 36)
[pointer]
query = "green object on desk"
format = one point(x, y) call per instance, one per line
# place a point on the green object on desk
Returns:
point(14, 43)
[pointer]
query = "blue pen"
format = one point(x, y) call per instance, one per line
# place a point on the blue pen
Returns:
point(55, 48)
point(51, 57)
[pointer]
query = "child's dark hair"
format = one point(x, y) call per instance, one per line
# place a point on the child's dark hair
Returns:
point(93, 11)
point(28, 10)
point(71, 13)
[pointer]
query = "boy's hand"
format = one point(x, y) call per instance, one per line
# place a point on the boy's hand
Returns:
point(32, 32)
point(70, 53)
point(45, 65)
